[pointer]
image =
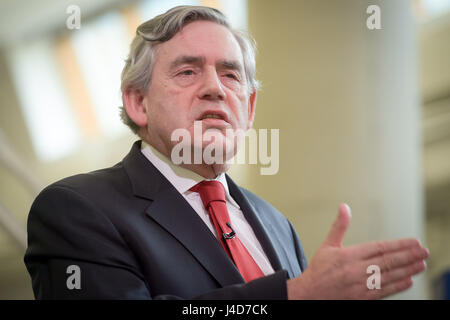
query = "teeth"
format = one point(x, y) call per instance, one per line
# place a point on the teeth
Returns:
point(214, 116)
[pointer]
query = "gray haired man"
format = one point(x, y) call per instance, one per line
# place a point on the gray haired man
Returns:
point(149, 229)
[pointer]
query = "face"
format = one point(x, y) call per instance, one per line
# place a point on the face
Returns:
point(198, 75)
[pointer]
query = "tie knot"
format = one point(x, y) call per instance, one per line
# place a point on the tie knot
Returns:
point(210, 191)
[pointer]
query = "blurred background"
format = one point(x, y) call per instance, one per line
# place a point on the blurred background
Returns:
point(363, 114)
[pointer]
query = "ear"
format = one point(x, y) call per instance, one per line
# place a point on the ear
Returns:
point(251, 109)
point(134, 105)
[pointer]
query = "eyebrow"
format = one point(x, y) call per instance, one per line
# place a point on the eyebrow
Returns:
point(231, 65)
point(187, 60)
point(199, 60)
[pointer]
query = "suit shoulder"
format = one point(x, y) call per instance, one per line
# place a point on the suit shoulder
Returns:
point(78, 203)
point(92, 183)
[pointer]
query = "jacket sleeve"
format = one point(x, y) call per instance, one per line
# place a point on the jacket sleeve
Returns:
point(75, 252)
point(299, 249)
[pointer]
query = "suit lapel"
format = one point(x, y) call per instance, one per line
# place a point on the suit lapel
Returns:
point(272, 247)
point(174, 213)
point(170, 210)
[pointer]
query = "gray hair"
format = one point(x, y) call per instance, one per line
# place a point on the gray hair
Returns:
point(137, 71)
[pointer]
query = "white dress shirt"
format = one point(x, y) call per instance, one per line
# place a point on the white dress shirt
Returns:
point(183, 179)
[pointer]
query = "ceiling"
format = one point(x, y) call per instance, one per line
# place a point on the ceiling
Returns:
point(21, 19)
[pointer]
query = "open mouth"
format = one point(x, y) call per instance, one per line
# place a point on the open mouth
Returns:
point(214, 117)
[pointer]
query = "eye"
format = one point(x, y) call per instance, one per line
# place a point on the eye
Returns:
point(186, 73)
point(231, 76)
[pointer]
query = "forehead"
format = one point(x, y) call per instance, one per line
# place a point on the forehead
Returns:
point(206, 39)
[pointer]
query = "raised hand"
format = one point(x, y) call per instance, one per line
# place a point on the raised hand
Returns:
point(336, 272)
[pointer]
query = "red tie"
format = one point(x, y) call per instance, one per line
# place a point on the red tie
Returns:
point(212, 194)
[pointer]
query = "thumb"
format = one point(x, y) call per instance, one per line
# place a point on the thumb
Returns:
point(340, 226)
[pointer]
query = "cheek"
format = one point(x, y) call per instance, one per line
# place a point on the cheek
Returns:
point(173, 113)
point(240, 105)
point(167, 102)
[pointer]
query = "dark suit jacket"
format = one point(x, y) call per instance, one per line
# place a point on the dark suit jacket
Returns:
point(134, 236)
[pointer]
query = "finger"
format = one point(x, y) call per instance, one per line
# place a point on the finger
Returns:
point(339, 227)
point(372, 249)
point(398, 259)
point(402, 273)
point(361, 274)
point(389, 289)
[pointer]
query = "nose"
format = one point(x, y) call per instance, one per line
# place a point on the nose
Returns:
point(211, 87)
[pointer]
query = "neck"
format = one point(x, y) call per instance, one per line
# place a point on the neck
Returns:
point(207, 171)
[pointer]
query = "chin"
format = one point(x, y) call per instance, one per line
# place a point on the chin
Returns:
point(219, 145)
point(220, 168)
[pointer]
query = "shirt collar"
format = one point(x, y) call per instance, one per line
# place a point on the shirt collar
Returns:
point(181, 178)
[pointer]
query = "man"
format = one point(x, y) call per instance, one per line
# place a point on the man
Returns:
point(148, 229)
